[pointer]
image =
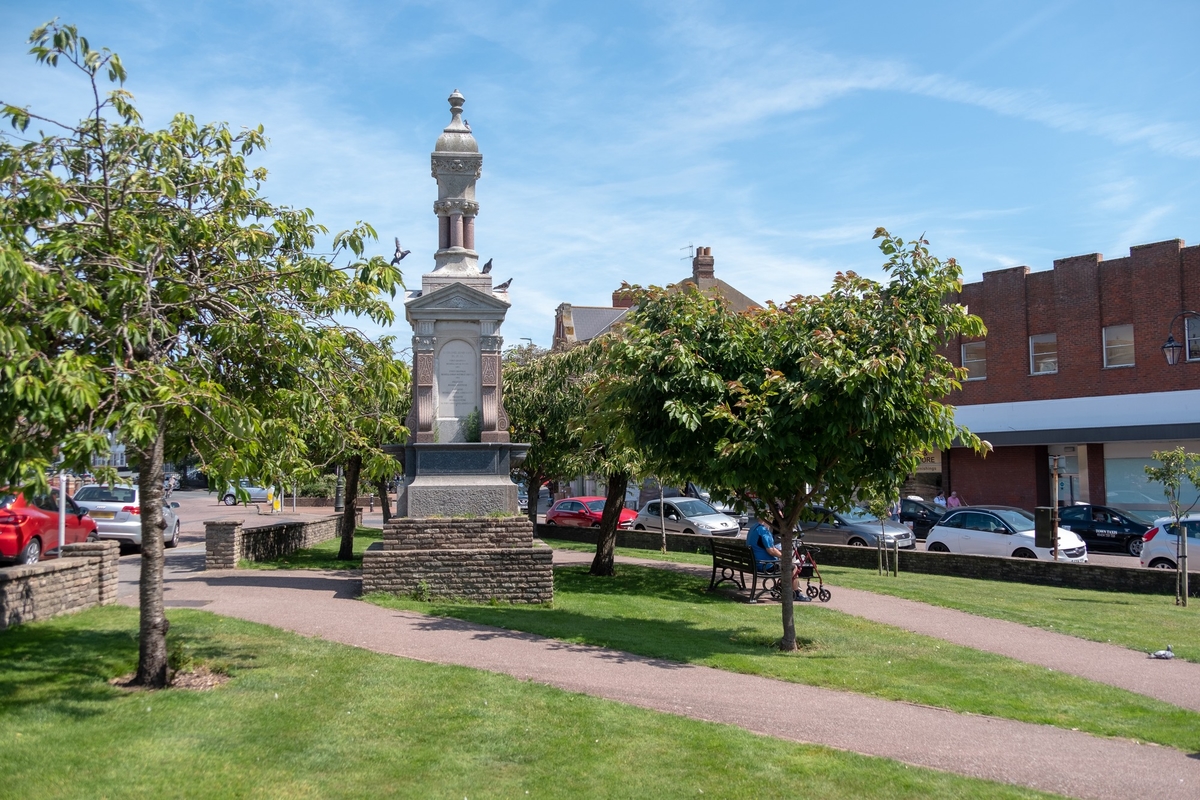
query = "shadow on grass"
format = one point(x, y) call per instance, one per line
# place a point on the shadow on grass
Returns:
point(665, 642)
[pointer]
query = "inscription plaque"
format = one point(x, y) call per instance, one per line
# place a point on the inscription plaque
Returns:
point(458, 379)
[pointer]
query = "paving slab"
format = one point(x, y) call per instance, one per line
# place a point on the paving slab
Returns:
point(323, 604)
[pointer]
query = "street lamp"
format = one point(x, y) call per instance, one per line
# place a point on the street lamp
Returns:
point(1172, 348)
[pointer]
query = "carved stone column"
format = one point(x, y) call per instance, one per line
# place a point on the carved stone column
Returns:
point(469, 233)
point(421, 418)
point(489, 357)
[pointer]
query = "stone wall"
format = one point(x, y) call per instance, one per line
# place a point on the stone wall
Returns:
point(227, 542)
point(1016, 570)
point(85, 576)
point(476, 558)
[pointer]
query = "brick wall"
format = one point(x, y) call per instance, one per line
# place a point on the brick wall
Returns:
point(226, 542)
point(477, 558)
point(85, 576)
point(1007, 476)
point(1076, 300)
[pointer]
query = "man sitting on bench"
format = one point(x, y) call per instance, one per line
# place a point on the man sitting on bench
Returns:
point(766, 552)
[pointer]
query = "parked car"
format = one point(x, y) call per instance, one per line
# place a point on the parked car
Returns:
point(258, 494)
point(584, 512)
point(29, 529)
point(999, 531)
point(522, 500)
point(1107, 528)
point(685, 515)
point(1160, 544)
point(856, 527)
point(921, 515)
point(118, 514)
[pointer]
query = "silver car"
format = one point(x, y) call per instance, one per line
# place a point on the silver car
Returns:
point(685, 515)
point(258, 494)
point(118, 515)
point(857, 527)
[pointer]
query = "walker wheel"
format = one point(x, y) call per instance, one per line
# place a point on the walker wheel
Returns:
point(811, 591)
point(824, 595)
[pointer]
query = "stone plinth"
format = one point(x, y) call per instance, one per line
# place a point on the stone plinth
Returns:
point(462, 479)
point(481, 559)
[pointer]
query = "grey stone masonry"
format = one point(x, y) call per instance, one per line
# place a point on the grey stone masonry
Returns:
point(85, 576)
point(227, 542)
point(473, 558)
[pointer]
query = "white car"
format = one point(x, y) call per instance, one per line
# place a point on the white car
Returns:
point(999, 531)
point(117, 513)
point(685, 515)
point(1160, 544)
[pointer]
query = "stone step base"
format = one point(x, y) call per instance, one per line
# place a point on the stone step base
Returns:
point(509, 574)
point(457, 533)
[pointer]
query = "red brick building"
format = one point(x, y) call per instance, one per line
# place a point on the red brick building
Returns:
point(1072, 365)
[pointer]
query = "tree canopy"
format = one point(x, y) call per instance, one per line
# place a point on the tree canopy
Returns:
point(822, 397)
point(147, 288)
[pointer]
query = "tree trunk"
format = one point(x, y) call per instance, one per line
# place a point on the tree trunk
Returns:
point(152, 636)
point(606, 539)
point(533, 488)
point(788, 642)
point(353, 468)
point(384, 501)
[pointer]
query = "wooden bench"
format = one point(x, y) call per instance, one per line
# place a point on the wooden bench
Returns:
point(733, 561)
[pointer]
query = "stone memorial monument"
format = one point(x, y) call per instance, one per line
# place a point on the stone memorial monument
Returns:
point(458, 534)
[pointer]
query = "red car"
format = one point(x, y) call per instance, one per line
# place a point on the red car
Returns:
point(29, 530)
point(584, 512)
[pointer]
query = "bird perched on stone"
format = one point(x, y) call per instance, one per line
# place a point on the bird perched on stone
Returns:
point(467, 125)
point(1163, 654)
point(400, 253)
point(504, 286)
point(487, 267)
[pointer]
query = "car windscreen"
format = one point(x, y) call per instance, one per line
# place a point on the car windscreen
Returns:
point(1017, 519)
point(105, 494)
point(595, 505)
point(858, 515)
point(694, 508)
point(1142, 517)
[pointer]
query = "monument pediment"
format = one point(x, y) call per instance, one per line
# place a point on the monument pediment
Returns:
point(456, 297)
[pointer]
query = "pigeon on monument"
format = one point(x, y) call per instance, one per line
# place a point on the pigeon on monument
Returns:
point(467, 125)
point(1163, 654)
point(504, 286)
point(487, 267)
point(400, 253)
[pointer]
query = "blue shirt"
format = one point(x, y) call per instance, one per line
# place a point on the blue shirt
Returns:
point(760, 539)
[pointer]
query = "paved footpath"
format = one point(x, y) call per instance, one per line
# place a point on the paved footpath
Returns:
point(323, 604)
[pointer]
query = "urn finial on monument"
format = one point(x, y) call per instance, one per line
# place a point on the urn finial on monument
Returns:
point(456, 165)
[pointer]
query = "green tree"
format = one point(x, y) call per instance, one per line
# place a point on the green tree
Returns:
point(1177, 466)
point(544, 395)
point(147, 288)
point(819, 398)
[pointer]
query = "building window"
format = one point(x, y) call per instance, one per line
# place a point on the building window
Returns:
point(1043, 354)
point(1118, 346)
point(1191, 327)
point(974, 360)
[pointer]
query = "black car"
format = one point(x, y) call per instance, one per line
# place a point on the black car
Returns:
point(922, 515)
point(1103, 527)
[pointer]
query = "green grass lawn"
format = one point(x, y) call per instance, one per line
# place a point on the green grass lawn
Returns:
point(669, 615)
point(322, 556)
point(307, 718)
point(1144, 622)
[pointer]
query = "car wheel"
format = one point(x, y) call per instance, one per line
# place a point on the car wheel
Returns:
point(31, 553)
point(688, 530)
point(639, 527)
point(595, 524)
point(1134, 548)
point(937, 547)
point(1023, 553)
point(551, 522)
point(174, 541)
point(230, 500)
point(857, 543)
point(1162, 563)
point(93, 537)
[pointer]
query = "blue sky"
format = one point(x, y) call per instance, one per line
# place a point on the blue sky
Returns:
point(616, 133)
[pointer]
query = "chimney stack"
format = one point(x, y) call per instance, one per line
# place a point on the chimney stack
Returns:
point(702, 264)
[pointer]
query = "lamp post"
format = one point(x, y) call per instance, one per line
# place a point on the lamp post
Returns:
point(1171, 349)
